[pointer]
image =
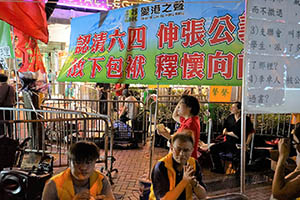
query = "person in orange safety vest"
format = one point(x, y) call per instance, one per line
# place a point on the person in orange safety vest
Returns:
point(178, 175)
point(80, 180)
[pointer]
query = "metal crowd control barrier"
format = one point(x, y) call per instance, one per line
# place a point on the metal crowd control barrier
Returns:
point(56, 133)
point(91, 106)
point(273, 125)
point(277, 125)
point(138, 124)
point(113, 109)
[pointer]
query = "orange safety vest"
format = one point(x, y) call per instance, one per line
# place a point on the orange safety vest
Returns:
point(172, 176)
point(65, 188)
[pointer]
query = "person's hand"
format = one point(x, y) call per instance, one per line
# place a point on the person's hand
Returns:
point(284, 147)
point(194, 182)
point(83, 195)
point(188, 173)
point(163, 131)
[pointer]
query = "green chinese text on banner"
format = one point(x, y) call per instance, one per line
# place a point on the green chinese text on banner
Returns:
point(6, 50)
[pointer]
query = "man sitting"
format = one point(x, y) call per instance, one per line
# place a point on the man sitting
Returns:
point(178, 175)
point(80, 180)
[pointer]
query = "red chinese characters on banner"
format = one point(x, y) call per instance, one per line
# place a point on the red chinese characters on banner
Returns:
point(117, 37)
point(192, 65)
point(220, 34)
point(76, 68)
point(167, 34)
point(193, 32)
point(114, 67)
point(166, 65)
point(82, 45)
point(220, 63)
point(135, 67)
point(240, 65)
point(96, 66)
point(99, 42)
point(242, 28)
point(136, 38)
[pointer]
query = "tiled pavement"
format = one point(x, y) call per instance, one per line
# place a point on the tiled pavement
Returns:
point(133, 165)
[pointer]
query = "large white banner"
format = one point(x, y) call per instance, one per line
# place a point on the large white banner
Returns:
point(272, 56)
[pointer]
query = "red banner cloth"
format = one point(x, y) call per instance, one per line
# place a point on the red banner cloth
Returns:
point(28, 17)
point(28, 53)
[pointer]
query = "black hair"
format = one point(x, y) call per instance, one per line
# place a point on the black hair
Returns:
point(191, 102)
point(238, 105)
point(126, 92)
point(3, 78)
point(83, 151)
point(183, 136)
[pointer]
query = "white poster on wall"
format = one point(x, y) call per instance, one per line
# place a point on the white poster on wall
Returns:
point(272, 57)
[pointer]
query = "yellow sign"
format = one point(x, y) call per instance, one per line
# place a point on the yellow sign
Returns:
point(220, 93)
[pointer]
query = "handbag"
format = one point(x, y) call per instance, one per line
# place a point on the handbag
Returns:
point(220, 138)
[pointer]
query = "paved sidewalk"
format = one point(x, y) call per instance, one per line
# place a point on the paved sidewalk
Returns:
point(133, 165)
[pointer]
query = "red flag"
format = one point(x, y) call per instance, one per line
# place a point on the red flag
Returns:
point(28, 53)
point(28, 17)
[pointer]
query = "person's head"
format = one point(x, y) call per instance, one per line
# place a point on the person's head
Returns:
point(182, 145)
point(188, 105)
point(83, 156)
point(236, 108)
point(126, 93)
point(296, 138)
point(3, 78)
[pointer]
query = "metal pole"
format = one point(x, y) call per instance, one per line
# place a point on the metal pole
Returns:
point(15, 68)
point(243, 152)
point(152, 141)
point(17, 126)
point(243, 118)
point(252, 141)
point(209, 132)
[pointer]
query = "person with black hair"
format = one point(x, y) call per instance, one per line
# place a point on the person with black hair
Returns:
point(232, 136)
point(103, 89)
point(80, 180)
point(118, 89)
point(178, 175)
point(130, 109)
point(287, 187)
point(7, 99)
point(186, 113)
point(31, 100)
